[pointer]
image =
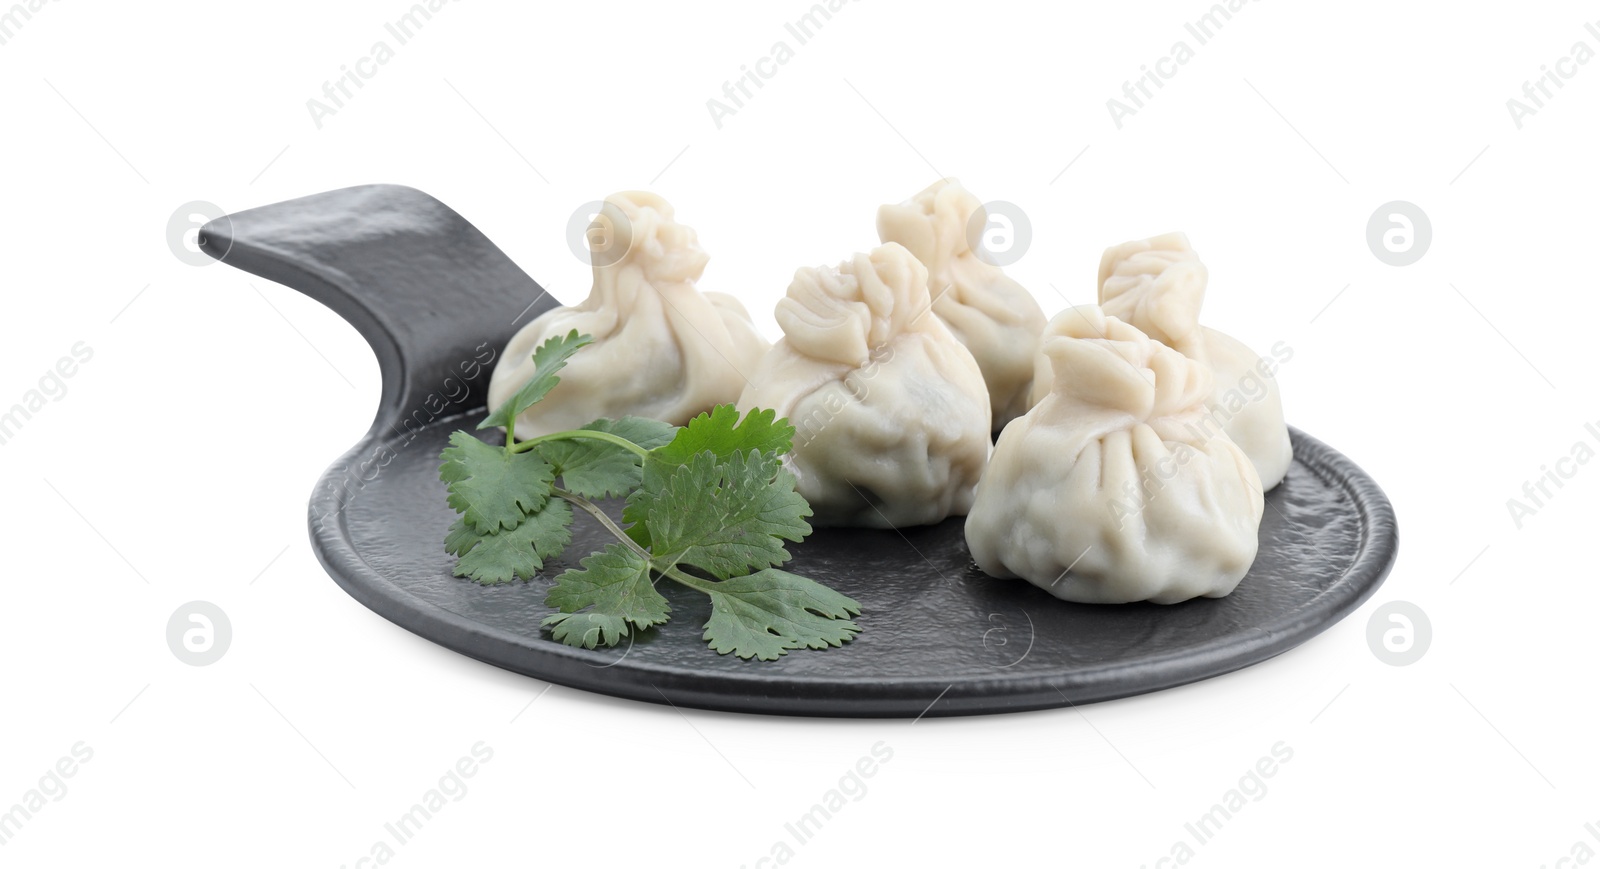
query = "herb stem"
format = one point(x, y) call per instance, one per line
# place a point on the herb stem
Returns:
point(600, 516)
point(608, 437)
point(665, 569)
point(701, 585)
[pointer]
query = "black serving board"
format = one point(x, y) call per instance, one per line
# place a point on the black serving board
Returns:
point(438, 301)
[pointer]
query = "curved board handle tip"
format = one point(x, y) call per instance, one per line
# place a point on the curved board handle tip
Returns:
point(433, 296)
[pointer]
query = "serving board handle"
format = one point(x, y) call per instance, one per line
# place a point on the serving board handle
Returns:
point(433, 296)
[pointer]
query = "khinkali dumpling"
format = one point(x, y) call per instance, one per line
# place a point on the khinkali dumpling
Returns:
point(1158, 285)
point(890, 411)
point(993, 315)
point(662, 349)
point(1112, 475)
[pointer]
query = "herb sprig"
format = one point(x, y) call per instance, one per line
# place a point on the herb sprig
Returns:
point(708, 505)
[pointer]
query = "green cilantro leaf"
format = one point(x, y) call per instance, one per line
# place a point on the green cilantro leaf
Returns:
point(765, 614)
point(460, 539)
point(515, 554)
point(646, 432)
point(598, 603)
point(727, 517)
point(722, 433)
point(492, 487)
point(551, 357)
point(596, 469)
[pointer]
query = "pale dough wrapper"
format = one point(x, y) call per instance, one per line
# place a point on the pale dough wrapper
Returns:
point(662, 349)
point(992, 315)
point(1158, 285)
point(890, 411)
point(1119, 474)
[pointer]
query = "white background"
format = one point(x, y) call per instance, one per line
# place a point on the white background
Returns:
point(177, 465)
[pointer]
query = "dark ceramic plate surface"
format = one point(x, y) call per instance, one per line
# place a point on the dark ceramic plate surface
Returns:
point(438, 302)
